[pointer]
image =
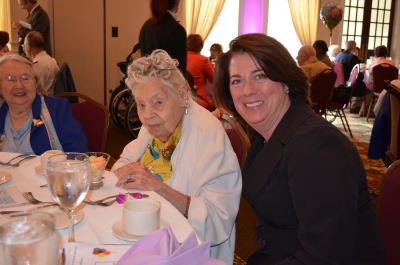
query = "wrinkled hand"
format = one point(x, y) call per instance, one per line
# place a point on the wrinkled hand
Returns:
point(136, 176)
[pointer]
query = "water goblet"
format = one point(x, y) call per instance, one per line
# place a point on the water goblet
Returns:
point(68, 180)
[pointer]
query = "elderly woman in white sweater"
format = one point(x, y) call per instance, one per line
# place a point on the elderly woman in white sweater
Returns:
point(182, 152)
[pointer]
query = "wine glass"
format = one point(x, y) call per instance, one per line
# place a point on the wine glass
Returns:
point(69, 181)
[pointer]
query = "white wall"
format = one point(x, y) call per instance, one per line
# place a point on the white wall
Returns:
point(78, 38)
point(128, 16)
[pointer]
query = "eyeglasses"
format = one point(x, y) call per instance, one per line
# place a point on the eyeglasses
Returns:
point(24, 79)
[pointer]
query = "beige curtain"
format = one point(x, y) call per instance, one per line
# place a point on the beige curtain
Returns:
point(5, 19)
point(200, 16)
point(305, 14)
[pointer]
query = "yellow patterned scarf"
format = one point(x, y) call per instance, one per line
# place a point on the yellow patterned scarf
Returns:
point(157, 156)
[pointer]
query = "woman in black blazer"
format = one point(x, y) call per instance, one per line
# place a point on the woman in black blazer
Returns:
point(163, 31)
point(302, 177)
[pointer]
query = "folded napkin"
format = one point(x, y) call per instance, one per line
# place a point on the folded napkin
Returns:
point(161, 247)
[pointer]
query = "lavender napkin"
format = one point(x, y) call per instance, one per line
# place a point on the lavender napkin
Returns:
point(161, 247)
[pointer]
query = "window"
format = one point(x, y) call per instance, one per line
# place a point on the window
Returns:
point(221, 33)
point(280, 26)
point(369, 23)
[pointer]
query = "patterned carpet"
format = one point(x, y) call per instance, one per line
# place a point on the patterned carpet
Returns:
point(375, 169)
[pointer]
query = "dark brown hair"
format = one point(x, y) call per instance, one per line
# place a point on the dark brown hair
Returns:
point(160, 7)
point(4, 38)
point(194, 43)
point(381, 51)
point(272, 57)
point(216, 47)
point(35, 40)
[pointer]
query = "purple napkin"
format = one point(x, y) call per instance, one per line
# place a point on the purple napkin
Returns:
point(161, 247)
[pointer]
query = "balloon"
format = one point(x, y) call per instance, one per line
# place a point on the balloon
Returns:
point(331, 15)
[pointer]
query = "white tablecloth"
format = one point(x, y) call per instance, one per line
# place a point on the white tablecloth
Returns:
point(96, 227)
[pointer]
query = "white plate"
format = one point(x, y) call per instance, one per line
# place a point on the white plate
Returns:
point(4, 177)
point(119, 232)
point(61, 218)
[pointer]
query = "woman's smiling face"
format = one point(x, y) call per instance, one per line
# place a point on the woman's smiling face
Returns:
point(18, 85)
point(259, 100)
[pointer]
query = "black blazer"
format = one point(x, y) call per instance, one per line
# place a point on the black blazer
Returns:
point(40, 22)
point(308, 188)
point(167, 34)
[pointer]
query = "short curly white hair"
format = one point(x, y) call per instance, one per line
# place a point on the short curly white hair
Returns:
point(158, 65)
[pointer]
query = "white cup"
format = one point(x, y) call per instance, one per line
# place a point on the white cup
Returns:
point(140, 216)
point(45, 156)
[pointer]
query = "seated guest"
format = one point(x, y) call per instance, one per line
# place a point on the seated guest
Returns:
point(182, 152)
point(304, 179)
point(215, 51)
point(381, 54)
point(333, 51)
point(4, 39)
point(201, 69)
point(29, 122)
point(348, 58)
point(44, 66)
point(321, 48)
point(309, 63)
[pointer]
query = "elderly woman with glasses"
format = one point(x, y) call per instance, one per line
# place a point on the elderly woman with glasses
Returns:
point(182, 152)
point(29, 122)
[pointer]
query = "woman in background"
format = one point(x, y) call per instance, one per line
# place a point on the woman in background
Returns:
point(201, 69)
point(163, 31)
point(302, 177)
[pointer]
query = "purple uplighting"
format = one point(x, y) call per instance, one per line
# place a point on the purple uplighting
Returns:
point(252, 18)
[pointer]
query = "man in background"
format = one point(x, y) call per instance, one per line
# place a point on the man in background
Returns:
point(37, 20)
point(348, 58)
point(44, 66)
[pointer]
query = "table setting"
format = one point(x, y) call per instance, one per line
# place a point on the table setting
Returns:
point(67, 188)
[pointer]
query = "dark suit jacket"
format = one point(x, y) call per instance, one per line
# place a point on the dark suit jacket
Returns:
point(308, 188)
point(167, 34)
point(40, 22)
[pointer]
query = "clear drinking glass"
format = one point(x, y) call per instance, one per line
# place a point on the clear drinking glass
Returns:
point(69, 181)
point(29, 238)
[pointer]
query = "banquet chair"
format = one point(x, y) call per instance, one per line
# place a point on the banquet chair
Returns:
point(93, 117)
point(237, 136)
point(388, 214)
point(380, 73)
point(338, 68)
point(321, 90)
point(393, 151)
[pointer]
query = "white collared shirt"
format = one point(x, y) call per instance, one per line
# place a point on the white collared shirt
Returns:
point(45, 68)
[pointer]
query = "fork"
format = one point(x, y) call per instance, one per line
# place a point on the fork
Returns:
point(23, 159)
point(12, 159)
point(29, 196)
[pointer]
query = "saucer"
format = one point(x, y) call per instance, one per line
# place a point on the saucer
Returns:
point(119, 232)
point(5, 177)
point(61, 218)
